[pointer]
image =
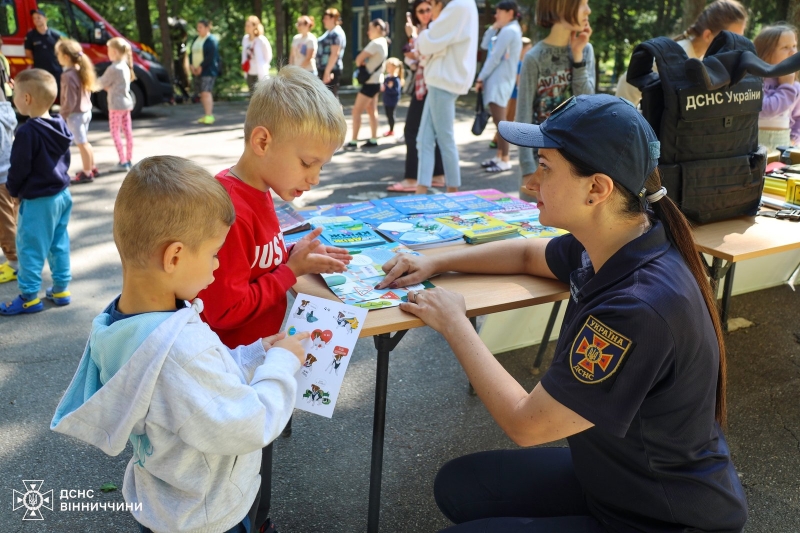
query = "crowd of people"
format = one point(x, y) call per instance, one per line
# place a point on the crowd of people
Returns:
point(207, 386)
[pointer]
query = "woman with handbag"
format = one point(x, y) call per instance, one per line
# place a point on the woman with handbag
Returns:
point(499, 73)
point(370, 75)
point(416, 20)
point(256, 52)
point(451, 45)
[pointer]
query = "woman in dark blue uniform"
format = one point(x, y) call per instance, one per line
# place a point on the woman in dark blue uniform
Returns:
point(637, 383)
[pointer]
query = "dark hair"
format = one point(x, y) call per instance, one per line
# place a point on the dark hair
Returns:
point(414, 20)
point(717, 16)
point(509, 5)
point(205, 22)
point(378, 23)
point(548, 12)
point(679, 232)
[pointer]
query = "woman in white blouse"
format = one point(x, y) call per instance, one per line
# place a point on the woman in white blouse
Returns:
point(256, 52)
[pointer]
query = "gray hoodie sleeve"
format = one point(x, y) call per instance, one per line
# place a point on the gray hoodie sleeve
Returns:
point(583, 78)
point(226, 417)
point(528, 77)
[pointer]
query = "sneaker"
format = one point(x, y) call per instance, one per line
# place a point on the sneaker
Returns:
point(489, 162)
point(208, 120)
point(499, 166)
point(58, 298)
point(95, 172)
point(389, 133)
point(371, 142)
point(352, 144)
point(81, 177)
point(21, 306)
point(122, 167)
point(7, 273)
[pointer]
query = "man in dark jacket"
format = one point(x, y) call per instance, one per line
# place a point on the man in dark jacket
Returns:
point(204, 63)
point(40, 46)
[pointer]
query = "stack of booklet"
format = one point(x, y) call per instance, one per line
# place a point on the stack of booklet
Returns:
point(420, 232)
point(352, 235)
point(478, 227)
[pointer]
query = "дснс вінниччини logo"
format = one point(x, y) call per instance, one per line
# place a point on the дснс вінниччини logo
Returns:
point(33, 499)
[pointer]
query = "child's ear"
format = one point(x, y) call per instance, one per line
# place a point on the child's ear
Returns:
point(171, 257)
point(260, 139)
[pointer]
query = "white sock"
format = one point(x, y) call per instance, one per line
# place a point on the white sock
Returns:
point(504, 165)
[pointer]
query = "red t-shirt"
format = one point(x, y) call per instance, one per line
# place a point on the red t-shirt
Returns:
point(247, 300)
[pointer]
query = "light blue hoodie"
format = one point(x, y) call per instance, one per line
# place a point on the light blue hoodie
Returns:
point(196, 413)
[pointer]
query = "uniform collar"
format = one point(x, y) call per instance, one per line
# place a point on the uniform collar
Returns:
point(584, 282)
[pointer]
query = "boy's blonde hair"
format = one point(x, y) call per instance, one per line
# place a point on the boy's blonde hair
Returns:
point(39, 83)
point(166, 199)
point(295, 103)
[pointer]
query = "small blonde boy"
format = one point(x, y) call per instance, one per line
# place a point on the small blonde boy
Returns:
point(196, 413)
point(38, 177)
point(293, 126)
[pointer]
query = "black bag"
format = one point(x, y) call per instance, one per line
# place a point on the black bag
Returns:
point(711, 163)
point(364, 75)
point(481, 116)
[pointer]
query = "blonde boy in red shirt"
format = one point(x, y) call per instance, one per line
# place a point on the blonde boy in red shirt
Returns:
point(292, 128)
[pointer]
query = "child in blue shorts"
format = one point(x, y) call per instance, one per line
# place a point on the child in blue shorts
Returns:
point(38, 177)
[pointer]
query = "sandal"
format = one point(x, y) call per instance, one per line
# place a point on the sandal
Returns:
point(497, 168)
point(7, 273)
point(402, 187)
point(18, 306)
point(438, 184)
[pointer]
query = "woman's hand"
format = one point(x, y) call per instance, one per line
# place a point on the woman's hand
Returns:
point(443, 310)
point(578, 41)
point(406, 269)
point(478, 85)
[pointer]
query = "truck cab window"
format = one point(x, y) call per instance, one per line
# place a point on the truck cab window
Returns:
point(58, 16)
point(84, 26)
point(8, 18)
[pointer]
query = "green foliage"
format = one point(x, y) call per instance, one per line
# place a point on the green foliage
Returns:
point(618, 26)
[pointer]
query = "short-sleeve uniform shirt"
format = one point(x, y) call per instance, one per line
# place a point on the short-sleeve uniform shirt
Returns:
point(43, 47)
point(638, 357)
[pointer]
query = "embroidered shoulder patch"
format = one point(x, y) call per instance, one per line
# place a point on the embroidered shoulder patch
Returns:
point(597, 352)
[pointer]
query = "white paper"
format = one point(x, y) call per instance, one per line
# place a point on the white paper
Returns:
point(334, 329)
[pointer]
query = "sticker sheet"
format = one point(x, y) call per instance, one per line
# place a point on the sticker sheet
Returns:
point(334, 329)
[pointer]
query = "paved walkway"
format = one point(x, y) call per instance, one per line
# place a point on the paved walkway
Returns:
point(321, 472)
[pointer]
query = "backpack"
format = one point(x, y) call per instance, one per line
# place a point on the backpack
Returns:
point(711, 163)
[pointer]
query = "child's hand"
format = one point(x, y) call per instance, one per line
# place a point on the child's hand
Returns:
point(578, 41)
point(292, 343)
point(309, 256)
point(268, 342)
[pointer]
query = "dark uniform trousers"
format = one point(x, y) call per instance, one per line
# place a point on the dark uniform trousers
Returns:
point(531, 490)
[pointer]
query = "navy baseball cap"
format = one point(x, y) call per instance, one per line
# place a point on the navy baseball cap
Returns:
point(38, 12)
point(605, 132)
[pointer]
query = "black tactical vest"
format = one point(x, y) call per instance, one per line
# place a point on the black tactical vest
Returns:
point(711, 163)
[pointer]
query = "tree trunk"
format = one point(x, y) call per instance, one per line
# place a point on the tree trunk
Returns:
point(783, 10)
point(258, 9)
point(347, 24)
point(399, 33)
point(793, 12)
point(691, 10)
point(364, 36)
point(143, 22)
point(166, 39)
point(280, 29)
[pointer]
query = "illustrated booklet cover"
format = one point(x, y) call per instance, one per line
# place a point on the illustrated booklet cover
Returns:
point(356, 285)
point(527, 223)
point(478, 227)
point(334, 329)
point(351, 235)
point(420, 232)
point(290, 220)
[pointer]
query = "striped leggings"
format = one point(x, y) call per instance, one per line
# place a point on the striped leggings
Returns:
point(121, 120)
